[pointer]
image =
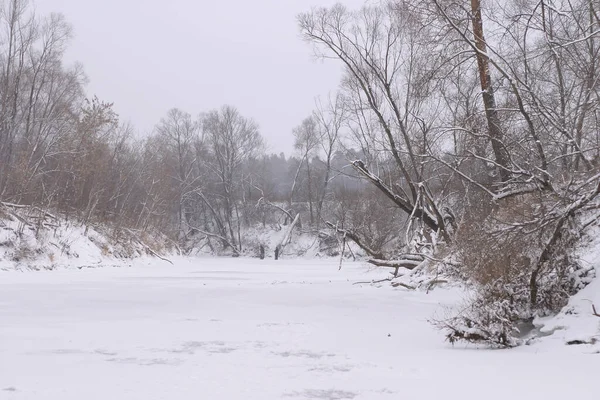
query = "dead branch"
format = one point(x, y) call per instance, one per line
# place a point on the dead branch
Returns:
point(264, 201)
point(372, 282)
point(434, 282)
point(287, 237)
point(397, 264)
point(408, 264)
point(222, 238)
point(404, 285)
point(155, 254)
point(354, 237)
point(403, 204)
point(12, 205)
point(21, 206)
point(21, 219)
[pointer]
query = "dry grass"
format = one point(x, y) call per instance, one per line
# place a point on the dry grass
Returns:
point(500, 255)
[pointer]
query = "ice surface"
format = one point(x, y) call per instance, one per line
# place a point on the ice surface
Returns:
point(248, 329)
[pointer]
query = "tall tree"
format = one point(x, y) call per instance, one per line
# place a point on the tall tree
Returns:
point(233, 140)
point(306, 140)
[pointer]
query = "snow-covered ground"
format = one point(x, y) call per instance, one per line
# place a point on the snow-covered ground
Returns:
point(249, 329)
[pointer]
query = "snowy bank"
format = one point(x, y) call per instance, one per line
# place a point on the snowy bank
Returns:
point(31, 238)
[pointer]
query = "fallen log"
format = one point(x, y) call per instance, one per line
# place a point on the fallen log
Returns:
point(404, 285)
point(44, 213)
point(409, 264)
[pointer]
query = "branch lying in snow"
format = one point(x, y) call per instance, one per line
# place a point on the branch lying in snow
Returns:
point(434, 282)
point(372, 282)
point(594, 312)
point(21, 206)
point(410, 263)
point(155, 254)
point(21, 219)
point(404, 263)
point(12, 205)
point(404, 285)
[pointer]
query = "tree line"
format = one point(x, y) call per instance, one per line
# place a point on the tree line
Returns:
point(197, 179)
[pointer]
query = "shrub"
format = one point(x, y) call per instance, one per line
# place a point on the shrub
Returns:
point(519, 262)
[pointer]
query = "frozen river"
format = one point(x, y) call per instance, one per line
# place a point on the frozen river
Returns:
point(250, 329)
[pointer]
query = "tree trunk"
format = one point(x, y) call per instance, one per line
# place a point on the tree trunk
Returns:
point(291, 199)
point(310, 199)
point(487, 91)
point(323, 190)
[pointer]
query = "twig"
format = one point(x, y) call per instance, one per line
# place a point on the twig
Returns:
point(372, 282)
point(155, 254)
point(404, 285)
point(434, 282)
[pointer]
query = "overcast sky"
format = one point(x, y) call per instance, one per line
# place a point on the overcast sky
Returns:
point(148, 56)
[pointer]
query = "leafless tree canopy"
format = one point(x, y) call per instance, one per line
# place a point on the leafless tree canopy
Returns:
point(479, 121)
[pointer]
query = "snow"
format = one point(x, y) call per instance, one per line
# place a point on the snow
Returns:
point(65, 245)
point(576, 321)
point(209, 328)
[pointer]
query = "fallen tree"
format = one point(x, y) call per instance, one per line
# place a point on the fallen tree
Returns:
point(408, 261)
point(356, 239)
point(287, 237)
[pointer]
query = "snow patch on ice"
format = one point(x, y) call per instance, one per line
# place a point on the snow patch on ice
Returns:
point(576, 324)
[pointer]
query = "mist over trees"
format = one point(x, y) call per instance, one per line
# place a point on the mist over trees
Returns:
point(457, 127)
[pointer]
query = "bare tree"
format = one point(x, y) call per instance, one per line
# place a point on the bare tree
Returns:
point(180, 133)
point(233, 141)
point(330, 119)
point(306, 140)
point(382, 52)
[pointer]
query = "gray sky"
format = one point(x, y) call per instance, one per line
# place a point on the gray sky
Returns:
point(148, 56)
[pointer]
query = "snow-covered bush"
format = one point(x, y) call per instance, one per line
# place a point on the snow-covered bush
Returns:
point(519, 262)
